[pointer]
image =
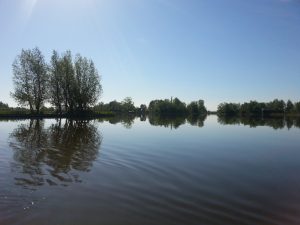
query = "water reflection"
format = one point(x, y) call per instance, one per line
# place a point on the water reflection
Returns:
point(214, 179)
point(196, 121)
point(274, 122)
point(54, 155)
point(176, 122)
point(126, 120)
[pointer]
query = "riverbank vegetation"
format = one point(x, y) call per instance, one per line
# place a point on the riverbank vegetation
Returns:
point(260, 109)
point(166, 107)
point(70, 85)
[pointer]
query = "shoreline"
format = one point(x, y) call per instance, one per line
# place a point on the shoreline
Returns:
point(56, 116)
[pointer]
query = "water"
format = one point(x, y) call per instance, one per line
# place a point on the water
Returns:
point(139, 171)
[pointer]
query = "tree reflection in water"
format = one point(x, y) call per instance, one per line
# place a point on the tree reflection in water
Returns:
point(126, 120)
point(274, 122)
point(176, 121)
point(54, 155)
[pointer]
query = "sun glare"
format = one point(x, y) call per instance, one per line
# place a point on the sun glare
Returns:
point(29, 7)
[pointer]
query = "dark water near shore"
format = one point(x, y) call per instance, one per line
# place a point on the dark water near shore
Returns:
point(150, 171)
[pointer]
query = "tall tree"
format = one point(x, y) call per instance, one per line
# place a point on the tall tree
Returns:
point(30, 79)
point(56, 82)
point(289, 107)
point(68, 81)
point(3, 105)
point(128, 104)
point(87, 87)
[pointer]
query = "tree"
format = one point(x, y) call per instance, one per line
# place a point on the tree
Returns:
point(297, 107)
point(73, 86)
point(56, 82)
point(201, 107)
point(289, 107)
point(30, 79)
point(127, 105)
point(252, 108)
point(277, 106)
point(167, 107)
point(87, 87)
point(68, 80)
point(193, 108)
point(3, 105)
point(197, 108)
point(143, 108)
point(228, 109)
point(115, 106)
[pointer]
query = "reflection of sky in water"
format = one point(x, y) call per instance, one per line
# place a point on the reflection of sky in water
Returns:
point(216, 174)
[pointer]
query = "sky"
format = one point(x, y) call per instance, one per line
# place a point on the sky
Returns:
point(215, 50)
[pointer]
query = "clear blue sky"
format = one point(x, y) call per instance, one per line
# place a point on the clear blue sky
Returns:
point(216, 50)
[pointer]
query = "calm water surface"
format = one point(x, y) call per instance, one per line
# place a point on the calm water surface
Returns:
point(150, 172)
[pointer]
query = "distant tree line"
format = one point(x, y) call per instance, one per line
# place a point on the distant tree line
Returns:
point(254, 108)
point(166, 107)
point(125, 106)
point(3, 105)
point(176, 107)
point(68, 84)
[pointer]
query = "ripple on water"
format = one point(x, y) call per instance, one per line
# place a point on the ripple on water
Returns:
point(146, 181)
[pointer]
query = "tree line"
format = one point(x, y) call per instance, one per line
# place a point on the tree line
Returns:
point(166, 107)
point(68, 84)
point(254, 108)
point(72, 84)
point(3, 105)
point(176, 107)
point(125, 106)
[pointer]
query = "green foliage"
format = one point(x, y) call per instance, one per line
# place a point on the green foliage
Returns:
point(69, 87)
point(176, 107)
point(297, 107)
point(229, 109)
point(127, 105)
point(289, 107)
point(124, 107)
point(30, 79)
point(196, 108)
point(254, 108)
point(143, 109)
point(74, 86)
point(167, 107)
point(3, 106)
point(276, 106)
point(56, 90)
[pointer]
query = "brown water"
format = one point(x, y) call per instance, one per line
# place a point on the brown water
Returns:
point(164, 172)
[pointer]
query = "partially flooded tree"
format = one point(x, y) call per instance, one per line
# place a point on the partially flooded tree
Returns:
point(30, 79)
